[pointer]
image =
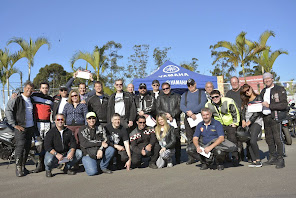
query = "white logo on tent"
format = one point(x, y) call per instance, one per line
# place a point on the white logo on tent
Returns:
point(171, 69)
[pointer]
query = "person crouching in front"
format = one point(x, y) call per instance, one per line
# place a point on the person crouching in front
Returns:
point(60, 146)
point(94, 145)
point(167, 140)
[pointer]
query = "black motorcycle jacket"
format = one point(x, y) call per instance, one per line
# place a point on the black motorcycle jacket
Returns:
point(278, 102)
point(169, 103)
point(145, 104)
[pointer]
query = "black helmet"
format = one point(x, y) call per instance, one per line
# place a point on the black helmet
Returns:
point(243, 134)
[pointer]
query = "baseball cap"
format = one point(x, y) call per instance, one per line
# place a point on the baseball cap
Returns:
point(90, 114)
point(63, 88)
point(190, 81)
point(142, 85)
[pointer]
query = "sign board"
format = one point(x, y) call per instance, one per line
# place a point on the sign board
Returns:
point(256, 82)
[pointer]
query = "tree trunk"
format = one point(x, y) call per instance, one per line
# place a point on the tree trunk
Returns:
point(29, 71)
point(7, 79)
point(98, 75)
point(3, 97)
point(243, 67)
point(262, 69)
point(21, 76)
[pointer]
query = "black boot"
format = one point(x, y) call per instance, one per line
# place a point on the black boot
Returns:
point(18, 165)
point(280, 163)
point(40, 165)
point(25, 171)
point(272, 161)
point(190, 160)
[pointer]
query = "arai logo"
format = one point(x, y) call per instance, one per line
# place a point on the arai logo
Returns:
point(171, 69)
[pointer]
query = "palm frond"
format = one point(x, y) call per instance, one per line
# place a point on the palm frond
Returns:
point(265, 36)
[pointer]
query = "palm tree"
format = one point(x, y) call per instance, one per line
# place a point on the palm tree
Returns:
point(239, 53)
point(30, 49)
point(96, 59)
point(7, 62)
point(265, 58)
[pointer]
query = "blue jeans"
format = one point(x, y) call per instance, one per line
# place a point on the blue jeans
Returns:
point(50, 160)
point(91, 165)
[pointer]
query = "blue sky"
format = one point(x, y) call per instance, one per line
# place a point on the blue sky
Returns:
point(188, 27)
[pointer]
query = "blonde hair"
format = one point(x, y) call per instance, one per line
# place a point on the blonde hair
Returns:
point(166, 127)
point(70, 96)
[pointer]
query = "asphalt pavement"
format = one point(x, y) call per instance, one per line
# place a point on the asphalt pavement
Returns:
point(179, 181)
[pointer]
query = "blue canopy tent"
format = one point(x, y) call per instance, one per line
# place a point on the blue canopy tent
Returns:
point(176, 76)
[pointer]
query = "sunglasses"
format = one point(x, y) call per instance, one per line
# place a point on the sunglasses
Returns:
point(247, 90)
point(215, 97)
point(155, 85)
point(74, 96)
point(142, 122)
point(63, 90)
point(91, 118)
point(60, 119)
point(118, 84)
point(142, 88)
point(165, 88)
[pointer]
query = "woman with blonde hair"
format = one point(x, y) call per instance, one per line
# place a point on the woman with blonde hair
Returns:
point(165, 134)
point(75, 113)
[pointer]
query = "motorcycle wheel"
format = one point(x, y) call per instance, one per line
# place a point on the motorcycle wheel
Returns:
point(287, 135)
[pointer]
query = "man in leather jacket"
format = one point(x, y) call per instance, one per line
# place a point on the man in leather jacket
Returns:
point(122, 103)
point(274, 111)
point(94, 145)
point(169, 104)
point(99, 104)
point(144, 144)
point(145, 103)
point(20, 115)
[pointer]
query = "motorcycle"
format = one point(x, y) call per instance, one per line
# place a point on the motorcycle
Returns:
point(7, 143)
point(292, 119)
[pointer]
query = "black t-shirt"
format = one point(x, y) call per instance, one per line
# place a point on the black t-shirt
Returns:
point(235, 95)
point(116, 136)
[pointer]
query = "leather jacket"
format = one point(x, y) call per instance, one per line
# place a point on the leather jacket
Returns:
point(141, 138)
point(129, 104)
point(146, 104)
point(94, 105)
point(170, 138)
point(169, 103)
point(15, 111)
point(278, 102)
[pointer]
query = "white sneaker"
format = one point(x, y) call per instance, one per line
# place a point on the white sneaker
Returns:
point(170, 165)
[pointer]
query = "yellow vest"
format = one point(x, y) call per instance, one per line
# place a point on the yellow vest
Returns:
point(227, 113)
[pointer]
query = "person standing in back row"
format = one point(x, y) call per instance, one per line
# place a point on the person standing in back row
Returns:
point(274, 111)
point(99, 104)
point(122, 103)
point(19, 113)
point(192, 101)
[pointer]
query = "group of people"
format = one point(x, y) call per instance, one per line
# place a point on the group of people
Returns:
point(119, 131)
